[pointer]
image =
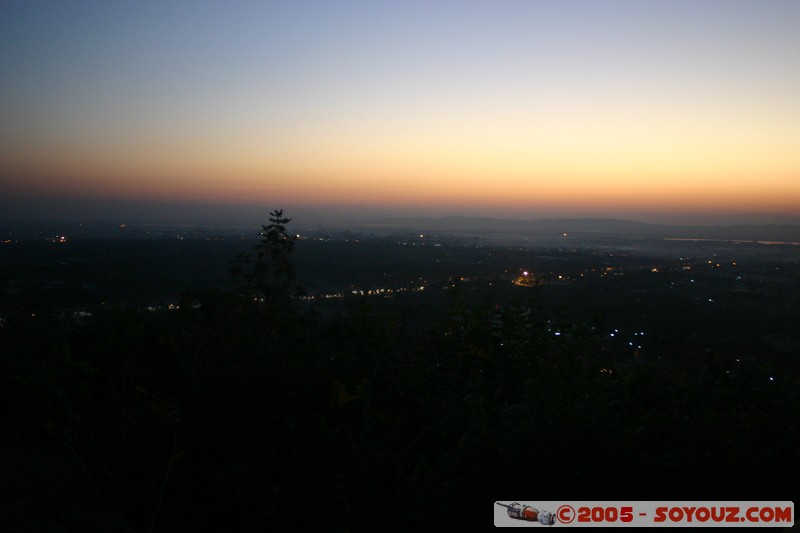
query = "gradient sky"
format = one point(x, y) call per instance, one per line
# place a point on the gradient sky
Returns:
point(673, 110)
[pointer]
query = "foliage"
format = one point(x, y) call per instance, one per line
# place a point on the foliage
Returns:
point(270, 275)
point(205, 419)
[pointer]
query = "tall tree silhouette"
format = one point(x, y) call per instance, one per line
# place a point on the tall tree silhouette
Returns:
point(270, 275)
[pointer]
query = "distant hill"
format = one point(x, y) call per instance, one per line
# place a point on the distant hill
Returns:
point(583, 226)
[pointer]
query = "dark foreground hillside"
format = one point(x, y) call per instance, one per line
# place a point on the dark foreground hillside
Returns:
point(240, 412)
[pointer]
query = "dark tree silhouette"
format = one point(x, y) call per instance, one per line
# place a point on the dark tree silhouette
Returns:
point(269, 277)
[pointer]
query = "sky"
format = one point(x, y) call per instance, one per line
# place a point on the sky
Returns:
point(667, 111)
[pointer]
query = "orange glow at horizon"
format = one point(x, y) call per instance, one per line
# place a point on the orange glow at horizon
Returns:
point(451, 190)
point(617, 169)
point(622, 157)
point(619, 157)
